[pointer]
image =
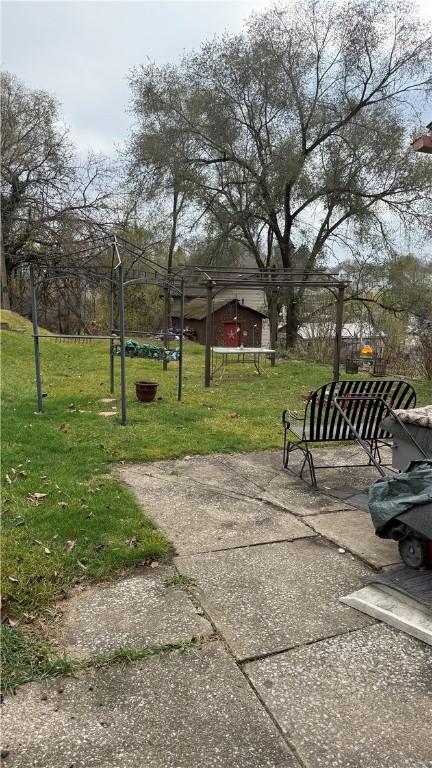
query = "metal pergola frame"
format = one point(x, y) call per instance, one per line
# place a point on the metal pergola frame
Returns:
point(214, 279)
point(95, 273)
point(145, 271)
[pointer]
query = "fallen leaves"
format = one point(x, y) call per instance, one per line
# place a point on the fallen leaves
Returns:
point(70, 545)
point(233, 415)
point(14, 473)
point(63, 427)
point(37, 498)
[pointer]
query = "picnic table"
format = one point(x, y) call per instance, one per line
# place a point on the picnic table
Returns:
point(221, 357)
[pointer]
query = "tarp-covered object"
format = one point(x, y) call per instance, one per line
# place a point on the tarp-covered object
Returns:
point(391, 496)
point(153, 351)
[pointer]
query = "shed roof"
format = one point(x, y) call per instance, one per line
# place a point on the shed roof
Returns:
point(197, 308)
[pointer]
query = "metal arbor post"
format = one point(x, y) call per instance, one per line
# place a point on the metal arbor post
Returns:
point(122, 343)
point(36, 339)
point(338, 332)
point(207, 377)
point(111, 332)
point(180, 369)
point(165, 323)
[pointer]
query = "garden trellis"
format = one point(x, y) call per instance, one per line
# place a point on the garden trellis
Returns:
point(90, 265)
point(101, 261)
point(214, 279)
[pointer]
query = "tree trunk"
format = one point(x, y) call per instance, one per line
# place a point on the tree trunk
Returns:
point(5, 295)
point(273, 318)
point(173, 239)
point(292, 320)
point(291, 303)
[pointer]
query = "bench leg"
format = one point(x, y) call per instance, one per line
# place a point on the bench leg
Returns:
point(285, 450)
point(290, 447)
point(311, 468)
point(376, 451)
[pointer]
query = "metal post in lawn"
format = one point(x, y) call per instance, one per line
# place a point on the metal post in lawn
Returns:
point(111, 331)
point(165, 323)
point(122, 343)
point(274, 313)
point(207, 376)
point(180, 370)
point(36, 339)
point(338, 332)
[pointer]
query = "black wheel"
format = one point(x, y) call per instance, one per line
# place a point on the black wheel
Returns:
point(414, 552)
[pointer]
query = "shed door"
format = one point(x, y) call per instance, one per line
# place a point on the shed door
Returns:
point(232, 334)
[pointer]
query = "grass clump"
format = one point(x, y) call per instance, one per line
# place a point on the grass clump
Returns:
point(181, 582)
point(25, 659)
point(28, 659)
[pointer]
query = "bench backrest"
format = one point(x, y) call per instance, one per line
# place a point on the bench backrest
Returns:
point(326, 423)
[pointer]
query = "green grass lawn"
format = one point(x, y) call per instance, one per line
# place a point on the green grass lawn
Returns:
point(88, 525)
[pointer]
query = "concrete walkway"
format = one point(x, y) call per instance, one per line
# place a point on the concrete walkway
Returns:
point(283, 675)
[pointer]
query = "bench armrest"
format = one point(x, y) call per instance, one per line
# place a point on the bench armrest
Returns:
point(287, 416)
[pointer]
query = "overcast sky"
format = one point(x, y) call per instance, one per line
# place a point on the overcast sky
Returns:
point(82, 51)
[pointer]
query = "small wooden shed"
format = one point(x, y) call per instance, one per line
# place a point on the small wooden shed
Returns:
point(234, 323)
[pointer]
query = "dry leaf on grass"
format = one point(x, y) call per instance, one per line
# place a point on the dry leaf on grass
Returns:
point(70, 545)
point(64, 427)
point(41, 544)
point(37, 498)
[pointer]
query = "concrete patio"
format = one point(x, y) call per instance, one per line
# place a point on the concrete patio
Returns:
point(283, 674)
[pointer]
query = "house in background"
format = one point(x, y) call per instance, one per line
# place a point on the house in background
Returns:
point(234, 322)
point(353, 336)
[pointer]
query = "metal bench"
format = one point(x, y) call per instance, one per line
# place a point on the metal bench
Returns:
point(344, 411)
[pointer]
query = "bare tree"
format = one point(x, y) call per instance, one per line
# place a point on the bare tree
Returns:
point(309, 111)
point(49, 198)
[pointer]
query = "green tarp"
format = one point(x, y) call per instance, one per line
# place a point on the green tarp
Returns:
point(391, 496)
